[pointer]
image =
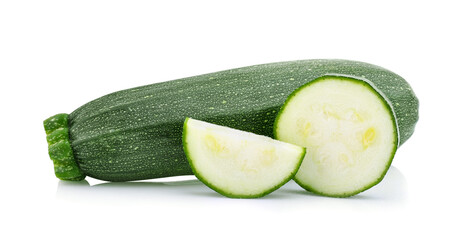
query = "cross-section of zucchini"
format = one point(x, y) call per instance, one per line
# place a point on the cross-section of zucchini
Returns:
point(238, 164)
point(349, 130)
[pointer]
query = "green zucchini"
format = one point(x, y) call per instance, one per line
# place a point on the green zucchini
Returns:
point(239, 164)
point(349, 129)
point(137, 133)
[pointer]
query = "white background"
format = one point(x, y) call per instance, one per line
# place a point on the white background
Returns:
point(58, 55)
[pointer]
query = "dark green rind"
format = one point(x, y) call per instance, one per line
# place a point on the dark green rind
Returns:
point(224, 192)
point(136, 134)
point(387, 105)
point(59, 148)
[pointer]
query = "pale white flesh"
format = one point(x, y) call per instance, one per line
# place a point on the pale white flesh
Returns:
point(237, 163)
point(349, 133)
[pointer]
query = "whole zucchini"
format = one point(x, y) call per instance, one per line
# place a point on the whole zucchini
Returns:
point(136, 133)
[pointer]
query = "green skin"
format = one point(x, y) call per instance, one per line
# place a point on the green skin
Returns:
point(136, 134)
point(387, 106)
point(223, 191)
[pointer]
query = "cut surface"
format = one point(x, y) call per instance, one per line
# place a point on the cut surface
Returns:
point(349, 132)
point(237, 163)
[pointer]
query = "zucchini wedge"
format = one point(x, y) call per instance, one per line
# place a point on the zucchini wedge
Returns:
point(238, 164)
point(349, 129)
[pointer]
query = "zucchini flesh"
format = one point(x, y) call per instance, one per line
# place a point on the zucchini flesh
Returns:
point(136, 133)
point(238, 164)
point(349, 130)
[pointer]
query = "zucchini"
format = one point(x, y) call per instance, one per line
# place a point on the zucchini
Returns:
point(349, 129)
point(239, 164)
point(136, 133)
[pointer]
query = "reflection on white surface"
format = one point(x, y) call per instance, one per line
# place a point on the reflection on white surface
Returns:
point(392, 190)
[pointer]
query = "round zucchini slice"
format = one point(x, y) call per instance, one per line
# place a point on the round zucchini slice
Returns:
point(348, 129)
point(239, 164)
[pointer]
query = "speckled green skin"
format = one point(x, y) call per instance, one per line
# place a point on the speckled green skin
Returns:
point(137, 133)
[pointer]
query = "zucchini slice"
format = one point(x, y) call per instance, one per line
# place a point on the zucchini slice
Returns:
point(349, 130)
point(238, 164)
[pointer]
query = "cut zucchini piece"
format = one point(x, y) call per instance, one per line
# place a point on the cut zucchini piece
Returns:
point(349, 130)
point(239, 164)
